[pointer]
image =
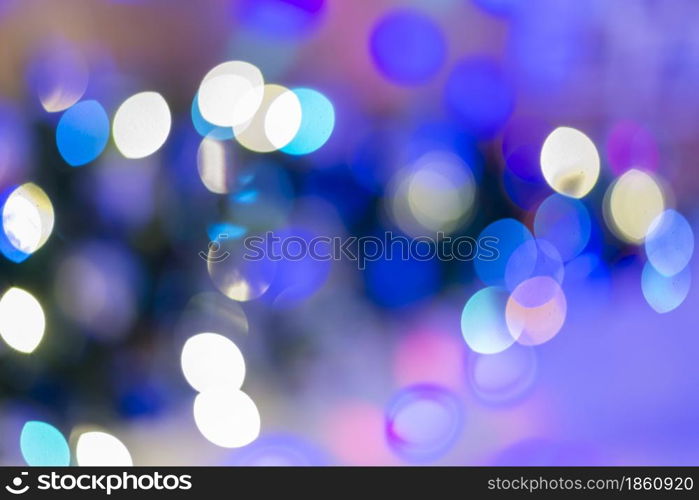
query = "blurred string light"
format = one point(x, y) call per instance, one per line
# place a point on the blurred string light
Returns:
point(630, 145)
point(570, 162)
point(407, 47)
point(669, 243)
point(665, 293)
point(423, 422)
point(504, 377)
point(317, 122)
point(631, 204)
point(479, 96)
point(206, 129)
point(22, 320)
point(533, 258)
point(82, 133)
point(231, 93)
point(227, 417)
point(59, 74)
point(43, 445)
point(434, 194)
point(27, 221)
point(100, 449)
point(505, 236)
point(141, 124)
point(212, 360)
point(565, 222)
point(483, 323)
point(536, 310)
point(275, 123)
point(235, 276)
point(215, 164)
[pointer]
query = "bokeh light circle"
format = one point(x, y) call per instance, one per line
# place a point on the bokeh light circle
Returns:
point(227, 417)
point(141, 125)
point(570, 162)
point(230, 93)
point(317, 122)
point(435, 194)
point(669, 243)
point(407, 47)
point(82, 133)
point(631, 205)
point(533, 258)
point(565, 222)
point(665, 293)
point(22, 320)
point(501, 239)
point(483, 323)
point(43, 445)
point(423, 422)
point(215, 164)
point(536, 310)
point(275, 123)
point(27, 221)
point(211, 360)
point(100, 449)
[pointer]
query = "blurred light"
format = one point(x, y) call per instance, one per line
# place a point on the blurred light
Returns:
point(231, 93)
point(536, 310)
point(423, 422)
point(15, 144)
point(96, 286)
point(82, 133)
point(43, 445)
point(27, 221)
point(211, 360)
point(483, 323)
point(298, 279)
point(215, 165)
point(22, 321)
point(503, 377)
point(503, 238)
point(59, 75)
point(533, 258)
point(283, 119)
point(213, 312)
point(629, 145)
point(141, 124)
point(407, 47)
point(206, 129)
point(570, 162)
point(435, 194)
point(99, 449)
point(317, 122)
point(565, 222)
point(631, 205)
point(521, 146)
point(480, 96)
point(238, 275)
point(227, 417)
point(669, 243)
point(275, 124)
point(665, 293)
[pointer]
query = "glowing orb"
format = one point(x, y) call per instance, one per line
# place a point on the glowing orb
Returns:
point(22, 320)
point(665, 293)
point(317, 122)
point(669, 243)
point(27, 221)
point(99, 449)
point(536, 310)
point(141, 125)
point(227, 417)
point(211, 360)
point(483, 323)
point(82, 133)
point(43, 445)
point(570, 162)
